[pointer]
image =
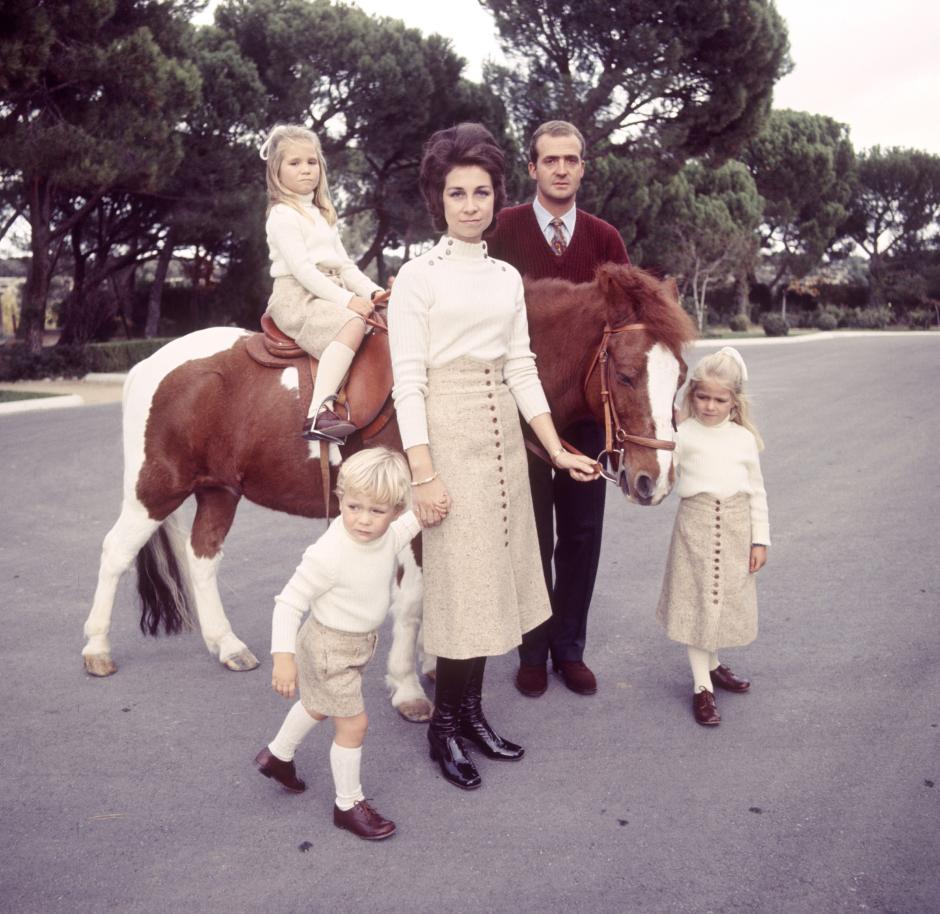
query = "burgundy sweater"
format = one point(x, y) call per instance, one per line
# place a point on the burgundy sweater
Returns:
point(518, 240)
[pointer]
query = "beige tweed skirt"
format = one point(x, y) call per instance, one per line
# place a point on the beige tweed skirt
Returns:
point(312, 322)
point(329, 668)
point(483, 582)
point(709, 599)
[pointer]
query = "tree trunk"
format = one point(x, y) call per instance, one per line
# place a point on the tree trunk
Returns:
point(33, 316)
point(156, 290)
point(742, 303)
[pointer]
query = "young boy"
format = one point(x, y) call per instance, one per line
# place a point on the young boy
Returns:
point(345, 580)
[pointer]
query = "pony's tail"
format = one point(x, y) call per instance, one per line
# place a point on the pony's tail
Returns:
point(163, 582)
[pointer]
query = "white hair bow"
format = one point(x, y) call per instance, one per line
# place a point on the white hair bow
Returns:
point(733, 353)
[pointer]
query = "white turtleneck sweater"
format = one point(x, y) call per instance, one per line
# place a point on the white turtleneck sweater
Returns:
point(722, 460)
point(456, 301)
point(345, 583)
point(299, 244)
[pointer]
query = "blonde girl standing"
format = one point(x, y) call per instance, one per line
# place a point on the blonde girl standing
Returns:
point(722, 531)
point(320, 298)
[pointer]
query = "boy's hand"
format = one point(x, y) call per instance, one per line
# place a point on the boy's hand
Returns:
point(758, 558)
point(284, 676)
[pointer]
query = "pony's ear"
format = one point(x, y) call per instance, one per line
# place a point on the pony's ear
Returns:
point(617, 283)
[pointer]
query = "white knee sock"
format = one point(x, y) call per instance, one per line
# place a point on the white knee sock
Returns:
point(334, 363)
point(698, 659)
point(296, 726)
point(713, 661)
point(345, 764)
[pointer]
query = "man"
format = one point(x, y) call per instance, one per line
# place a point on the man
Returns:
point(551, 237)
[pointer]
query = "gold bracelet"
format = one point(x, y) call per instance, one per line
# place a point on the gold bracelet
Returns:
point(557, 454)
point(424, 482)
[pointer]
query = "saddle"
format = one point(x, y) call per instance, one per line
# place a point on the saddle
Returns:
point(368, 386)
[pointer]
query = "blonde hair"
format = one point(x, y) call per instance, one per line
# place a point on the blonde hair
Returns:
point(725, 368)
point(272, 152)
point(378, 473)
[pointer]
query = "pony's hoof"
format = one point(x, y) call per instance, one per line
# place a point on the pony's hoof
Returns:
point(418, 711)
point(99, 665)
point(240, 662)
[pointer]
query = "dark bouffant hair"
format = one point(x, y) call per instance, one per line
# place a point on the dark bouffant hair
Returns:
point(465, 144)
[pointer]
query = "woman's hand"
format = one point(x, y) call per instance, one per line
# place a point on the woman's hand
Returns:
point(381, 297)
point(362, 306)
point(284, 676)
point(430, 502)
point(758, 558)
point(580, 468)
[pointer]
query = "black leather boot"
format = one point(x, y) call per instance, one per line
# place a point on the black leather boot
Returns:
point(474, 726)
point(447, 747)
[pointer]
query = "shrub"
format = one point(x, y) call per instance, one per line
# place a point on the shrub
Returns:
point(16, 364)
point(921, 319)
point(869, 318)
point(825, 321)
point(739, 323)
point(775, 325)
point(120, 355)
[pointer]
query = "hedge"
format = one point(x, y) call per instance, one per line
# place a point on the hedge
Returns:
point(74, 361)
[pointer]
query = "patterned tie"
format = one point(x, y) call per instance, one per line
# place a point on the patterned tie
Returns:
point(558, 239)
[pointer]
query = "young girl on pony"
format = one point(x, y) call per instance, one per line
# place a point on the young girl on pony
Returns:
point(345, 581)
point(722, 531)
point(320, 298)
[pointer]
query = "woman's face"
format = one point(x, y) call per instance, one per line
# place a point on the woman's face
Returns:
point(300, 168)
point(468, 203)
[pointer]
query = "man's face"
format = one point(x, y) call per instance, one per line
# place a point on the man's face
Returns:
point(559, 169)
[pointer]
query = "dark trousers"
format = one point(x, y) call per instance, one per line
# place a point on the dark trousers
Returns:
point(569, 517)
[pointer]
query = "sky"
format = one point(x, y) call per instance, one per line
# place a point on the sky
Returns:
point(874, 66)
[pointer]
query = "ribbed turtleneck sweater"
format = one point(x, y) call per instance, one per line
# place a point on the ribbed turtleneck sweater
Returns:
point(347, 584)
point(722, 460)
point(451, 302)
point(301, 244)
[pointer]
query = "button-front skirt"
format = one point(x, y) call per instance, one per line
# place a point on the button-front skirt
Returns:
point(709, 599)
point(483, 582)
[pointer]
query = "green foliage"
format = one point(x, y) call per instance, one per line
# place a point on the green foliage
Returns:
point(868, 318)
point(895, 208)
point(803, 165)
point(825, 320)
point(17, 363)
point(739, 323)
point(775, 325)
point(923, 319)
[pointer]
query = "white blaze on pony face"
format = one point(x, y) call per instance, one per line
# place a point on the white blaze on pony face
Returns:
point(662, 369)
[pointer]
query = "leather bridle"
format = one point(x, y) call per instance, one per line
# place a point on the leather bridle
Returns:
point(613, 430)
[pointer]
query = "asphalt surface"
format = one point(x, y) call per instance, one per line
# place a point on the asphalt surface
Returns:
point(819, 792)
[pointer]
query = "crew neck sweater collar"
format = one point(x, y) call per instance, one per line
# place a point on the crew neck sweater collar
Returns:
point(708, 428)
point(453, 249)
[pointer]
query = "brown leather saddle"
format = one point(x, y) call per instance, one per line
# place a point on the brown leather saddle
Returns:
point(368, 386)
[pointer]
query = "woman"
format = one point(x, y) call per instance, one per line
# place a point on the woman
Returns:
point(463, 372)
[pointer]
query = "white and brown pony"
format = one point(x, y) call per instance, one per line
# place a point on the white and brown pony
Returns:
point(201, 419)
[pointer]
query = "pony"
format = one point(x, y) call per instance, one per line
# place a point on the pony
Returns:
point(202, 420)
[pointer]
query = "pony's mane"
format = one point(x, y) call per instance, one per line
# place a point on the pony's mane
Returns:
point(637, 295)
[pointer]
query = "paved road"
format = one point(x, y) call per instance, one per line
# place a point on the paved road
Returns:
point(817, 793)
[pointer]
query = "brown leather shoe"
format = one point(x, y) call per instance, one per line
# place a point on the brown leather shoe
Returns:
point(577, 676)
point(327, 427)
point(364, 821)
point(725, 679)
point(532, 680)
point(703, 706)
point(282, 772)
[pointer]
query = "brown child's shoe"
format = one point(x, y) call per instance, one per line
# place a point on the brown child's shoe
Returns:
point(364, 821)
point(725, 679)
point(283, 772)
point(704, 709)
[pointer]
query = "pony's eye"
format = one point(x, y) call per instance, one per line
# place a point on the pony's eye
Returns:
point(623, 379)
